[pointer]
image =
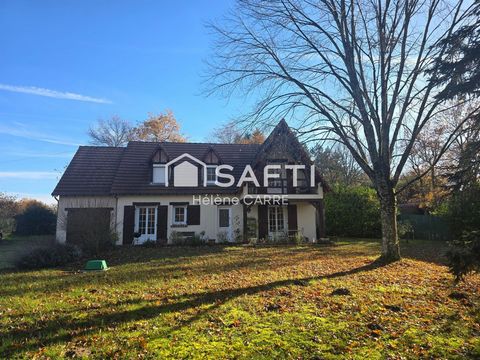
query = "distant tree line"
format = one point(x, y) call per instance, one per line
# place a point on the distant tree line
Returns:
point(26, 216)
point(116, 131)
point(230, 133)
point(163, 127)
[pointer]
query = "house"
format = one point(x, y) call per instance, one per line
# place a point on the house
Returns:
point(225, 192)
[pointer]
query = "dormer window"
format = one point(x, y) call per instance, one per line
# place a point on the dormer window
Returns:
point(212, 159)
point(211, 174)
point(159, 160)
point(159, 174)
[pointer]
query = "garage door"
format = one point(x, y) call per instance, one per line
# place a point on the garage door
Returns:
point(84, 225)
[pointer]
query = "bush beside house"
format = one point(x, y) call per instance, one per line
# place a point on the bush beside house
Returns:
point(352, 211)
point(35, 219)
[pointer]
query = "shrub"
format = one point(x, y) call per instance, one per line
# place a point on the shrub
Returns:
point(462, 210)
point(352, 211)
point(405, 229)
point(36, 219)
point(464, 255)
point(96, 240)
point(222, 237)
point(54, 256)
point(149, 244)
point(195, 240)
point(297, 239)
point(8, 209)
point(279, 238)
point(252, 227)
point(177, 238)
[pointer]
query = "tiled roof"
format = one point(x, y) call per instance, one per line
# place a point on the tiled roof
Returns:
point(91, 171)
point(134, 172)
point(97, 170)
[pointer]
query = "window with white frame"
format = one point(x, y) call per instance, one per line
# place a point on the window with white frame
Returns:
point(276, 221)
point(159, 174)
point(211, 174)
point(180, 215)
point(146, 220)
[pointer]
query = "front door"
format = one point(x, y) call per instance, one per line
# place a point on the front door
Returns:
point(145, 224)
point(276, 222)
point(224, 224)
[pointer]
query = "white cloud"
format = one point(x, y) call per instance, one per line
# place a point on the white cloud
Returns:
point(34, 135)
point(53, 93)
point(29, 175)
point(63, 154)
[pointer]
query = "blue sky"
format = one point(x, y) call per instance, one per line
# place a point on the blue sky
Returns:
point(65, 64)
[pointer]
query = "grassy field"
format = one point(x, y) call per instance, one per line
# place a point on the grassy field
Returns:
point(13, 247)
point(236, 302)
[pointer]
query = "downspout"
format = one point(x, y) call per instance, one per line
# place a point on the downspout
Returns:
point(57, 199)
point(116, 216)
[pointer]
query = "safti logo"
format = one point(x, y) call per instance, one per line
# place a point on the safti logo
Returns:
point(186, 173)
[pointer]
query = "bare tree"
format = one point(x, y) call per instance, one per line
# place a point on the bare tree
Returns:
point(225, 134)
point(230, 133)
point(337, 166)
point(111, 132)
point(423, 159)
point(9, 207)
point(161, 127)
point(255, 137)
point(351, 70)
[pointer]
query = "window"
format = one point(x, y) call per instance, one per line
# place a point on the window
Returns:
point(158, 174)
point(302, 179)
point(276, 222)
point(277, 185)
point(211, 175)
point(179, 215)
point(224, 218)
point(146, 220)
point(276, 182)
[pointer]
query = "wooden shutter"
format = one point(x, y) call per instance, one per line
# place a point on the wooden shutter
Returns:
point(193, 215)
point(290, 189)
point(262, 221)
point(320, 219)
point(292, 218)
point(128, 224)
point(162, 219)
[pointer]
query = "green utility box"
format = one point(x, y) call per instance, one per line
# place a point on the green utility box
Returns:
point(96, 265)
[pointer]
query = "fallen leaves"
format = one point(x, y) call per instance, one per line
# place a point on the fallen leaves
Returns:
point(235, 302)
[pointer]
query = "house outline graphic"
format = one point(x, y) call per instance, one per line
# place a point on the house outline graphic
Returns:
point(190, 175)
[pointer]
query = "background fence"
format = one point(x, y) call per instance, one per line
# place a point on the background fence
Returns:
point(426, 227)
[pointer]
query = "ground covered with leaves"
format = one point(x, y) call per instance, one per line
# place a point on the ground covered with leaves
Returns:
point(322, 302)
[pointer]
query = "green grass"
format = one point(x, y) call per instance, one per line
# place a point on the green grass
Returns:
point(13, 247)
point(236, 302)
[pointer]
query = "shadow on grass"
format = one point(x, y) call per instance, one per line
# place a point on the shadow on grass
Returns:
point(161, 264)
point(432, 251)
point(425, 250)
point(58, 329)
point(13, 248)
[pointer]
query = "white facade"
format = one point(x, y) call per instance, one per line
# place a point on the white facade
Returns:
point(210, 223)
point(72, 202)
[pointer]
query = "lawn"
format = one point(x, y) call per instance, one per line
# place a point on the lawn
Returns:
point(13, 247)
point(238, 302)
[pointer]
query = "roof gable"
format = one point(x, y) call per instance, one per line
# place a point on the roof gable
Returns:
point(134, 170)
point(91, 171)
point(96, 170)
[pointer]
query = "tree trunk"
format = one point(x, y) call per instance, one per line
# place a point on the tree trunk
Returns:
point(388, 216)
